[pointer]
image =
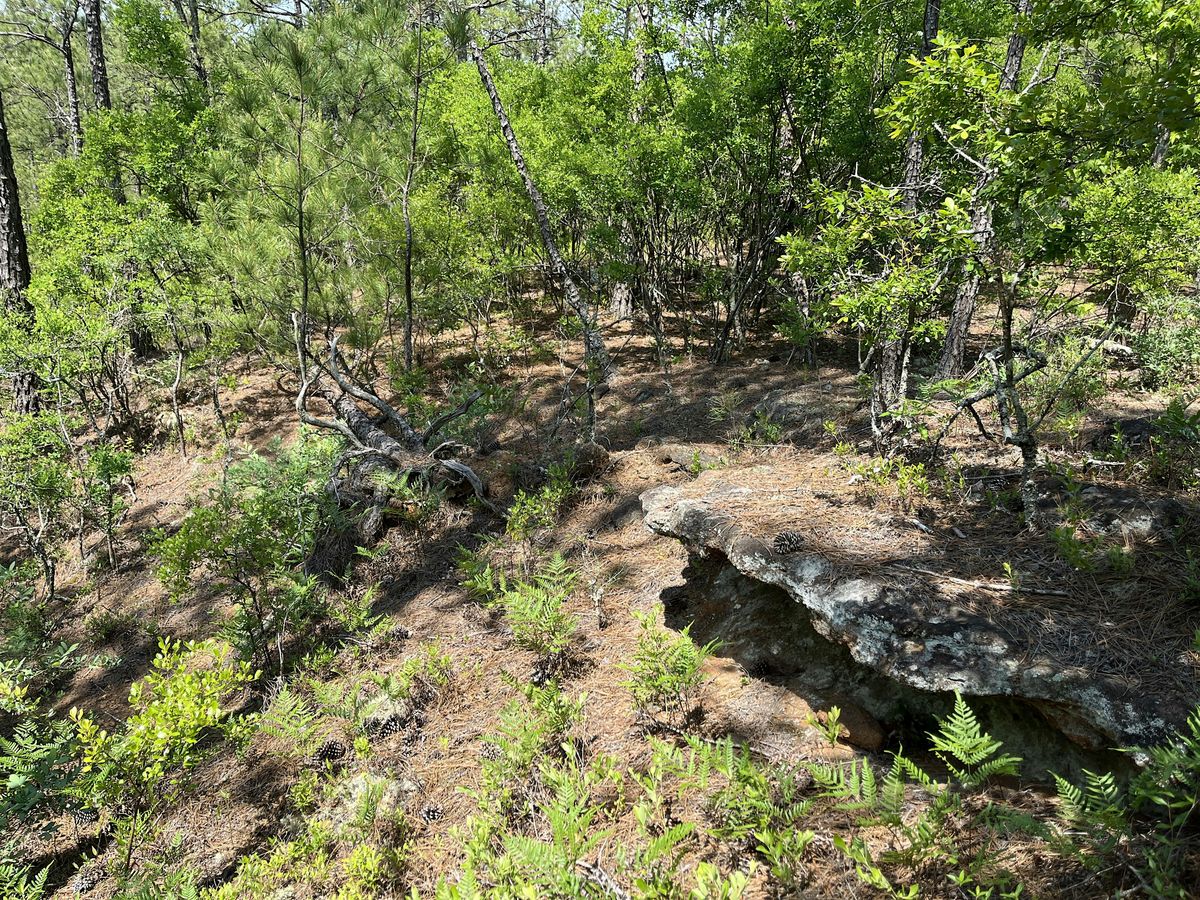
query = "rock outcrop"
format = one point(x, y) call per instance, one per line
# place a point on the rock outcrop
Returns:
point(903, 626)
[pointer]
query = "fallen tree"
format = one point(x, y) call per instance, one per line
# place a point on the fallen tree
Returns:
point(383, 452)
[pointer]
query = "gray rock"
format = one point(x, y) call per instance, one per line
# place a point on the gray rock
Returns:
point(904, 630)
point(796, 411)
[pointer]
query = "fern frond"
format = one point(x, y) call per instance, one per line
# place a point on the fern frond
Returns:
point(291, 718)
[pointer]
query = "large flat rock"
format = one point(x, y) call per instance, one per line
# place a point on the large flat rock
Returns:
point(925, 632)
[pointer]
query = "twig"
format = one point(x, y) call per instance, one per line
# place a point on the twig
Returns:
point(985, 585)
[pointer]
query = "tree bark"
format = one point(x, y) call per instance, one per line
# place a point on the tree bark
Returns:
point(409, 172)
point(190, 19)
point(73, 118)
point(965, 298)
point(593, 342)
point(914, 149)
point(14, 265)
point(95, 42)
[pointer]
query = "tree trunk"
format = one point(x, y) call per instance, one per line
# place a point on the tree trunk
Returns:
point(190, 19)
point(14, 264)
point(542, 52)
point(95, 42)
point(593, 343)
point(914, 149)
point(73, 118)
point(951, 362)
point(410, 169)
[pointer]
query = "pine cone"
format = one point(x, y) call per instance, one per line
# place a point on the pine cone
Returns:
point(431, 812)
point(85, 816)
point(330, 751)
point(787, 542)
point(491, 751)
point(86, 880)
point(389, 727)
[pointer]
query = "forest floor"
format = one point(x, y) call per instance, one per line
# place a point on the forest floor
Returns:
point(242, 801)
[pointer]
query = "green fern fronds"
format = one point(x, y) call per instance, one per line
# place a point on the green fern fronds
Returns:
point(1098, 803)
point(291, 718)
point(967, 751)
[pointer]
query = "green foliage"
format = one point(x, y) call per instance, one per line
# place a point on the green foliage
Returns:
point(531, 513)
point(31, 658)
point(533, 607)
point(36, 769)
point(968, 752)
point(292, 719)
point(173, 707)
point(830, 726)
point(253, 533)
point(145, 765)
point(35, 486)
point(761, 431)
point(666, 671)
point(530, 729)
point(22, 883)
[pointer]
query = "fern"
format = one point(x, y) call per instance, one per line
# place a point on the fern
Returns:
point(19, 883)
point(291, 718)
point(1098, 803)
point(36, 768)
point(967, 751)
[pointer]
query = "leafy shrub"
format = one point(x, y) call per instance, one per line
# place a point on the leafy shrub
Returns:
point(1169, 349)
point(258, 526)
point(145, 765)
point(665, 673)
point(30, 657)
point(104, 475)
point(537, 511)
point(36, 486)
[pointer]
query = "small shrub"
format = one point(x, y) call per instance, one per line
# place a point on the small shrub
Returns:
point(144, 766)
point(257, 527)
point(665, 673)
point(531, 513)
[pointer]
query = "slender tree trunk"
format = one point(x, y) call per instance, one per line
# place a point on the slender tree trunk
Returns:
point(14, 265)
point(190, 19)
point(951, 362)
point(1162, 137)
point(621, 301)
point(914, 149)
point(542, 54)
point(73, 118)
point(95, 42)
point(409, 172)
point(593, 342)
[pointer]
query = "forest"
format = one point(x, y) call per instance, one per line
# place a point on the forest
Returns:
point(697, 449)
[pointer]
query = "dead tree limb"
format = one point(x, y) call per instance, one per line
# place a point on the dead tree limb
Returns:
point(593, 342)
